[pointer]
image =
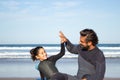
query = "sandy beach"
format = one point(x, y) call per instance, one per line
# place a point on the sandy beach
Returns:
point(39, 79)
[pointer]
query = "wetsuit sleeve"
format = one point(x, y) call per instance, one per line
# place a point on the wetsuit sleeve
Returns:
point(100, 69)
point(71, 48)
point(54, 58)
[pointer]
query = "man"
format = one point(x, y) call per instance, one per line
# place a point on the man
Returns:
point(91, 61)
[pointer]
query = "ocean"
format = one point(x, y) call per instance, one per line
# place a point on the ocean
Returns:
point(15, 60)
point(22, 50)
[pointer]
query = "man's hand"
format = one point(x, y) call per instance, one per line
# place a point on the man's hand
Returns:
point(62, 37)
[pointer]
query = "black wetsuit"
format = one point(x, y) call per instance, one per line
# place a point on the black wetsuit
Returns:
point(91, 64)
point(47, 67)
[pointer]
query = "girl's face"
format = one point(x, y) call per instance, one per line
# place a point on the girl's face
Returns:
point(42, 55)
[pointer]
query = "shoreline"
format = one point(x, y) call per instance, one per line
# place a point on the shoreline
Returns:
point(39, 78)
point(25, 68)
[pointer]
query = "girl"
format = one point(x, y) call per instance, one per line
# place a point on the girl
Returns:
point(47, 66)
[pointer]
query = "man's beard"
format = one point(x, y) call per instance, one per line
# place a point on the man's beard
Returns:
point(84, 47)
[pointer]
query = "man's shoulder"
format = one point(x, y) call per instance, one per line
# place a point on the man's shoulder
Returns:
point(99, 50)
point(100, 53)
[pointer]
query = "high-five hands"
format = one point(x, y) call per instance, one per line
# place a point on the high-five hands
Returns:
point(62, 37)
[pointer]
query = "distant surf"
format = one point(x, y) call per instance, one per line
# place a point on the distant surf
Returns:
point(22, 50)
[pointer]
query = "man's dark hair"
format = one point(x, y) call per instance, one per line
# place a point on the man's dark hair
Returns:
point(90, 36)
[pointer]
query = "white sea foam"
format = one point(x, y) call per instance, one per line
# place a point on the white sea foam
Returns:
point(110, 48)
point(28, 48)
point(23, 52)
point(67, 55)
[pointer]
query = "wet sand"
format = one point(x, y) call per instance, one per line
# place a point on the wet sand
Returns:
point(39, 79)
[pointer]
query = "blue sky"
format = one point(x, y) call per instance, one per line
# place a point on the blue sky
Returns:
point(39, 21)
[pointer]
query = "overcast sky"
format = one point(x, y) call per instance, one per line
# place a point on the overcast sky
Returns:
point(39, 21)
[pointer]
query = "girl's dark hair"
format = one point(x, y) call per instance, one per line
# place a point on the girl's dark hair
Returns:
point(91, 36)
point(34, 52)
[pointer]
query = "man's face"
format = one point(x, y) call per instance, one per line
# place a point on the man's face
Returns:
point(84, 45)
